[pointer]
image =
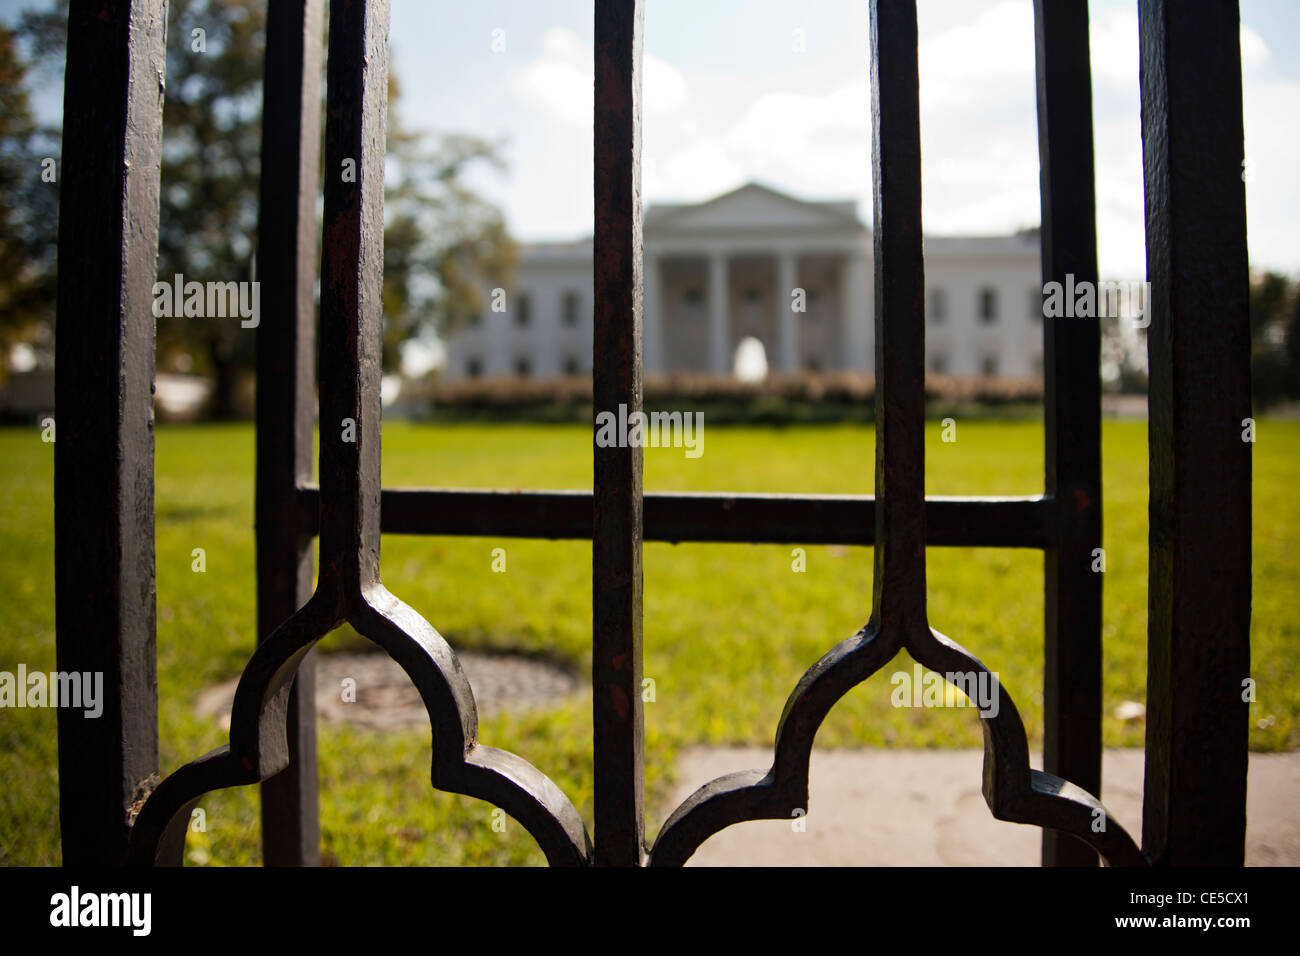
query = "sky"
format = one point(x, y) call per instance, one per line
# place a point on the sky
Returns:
point(730, 97)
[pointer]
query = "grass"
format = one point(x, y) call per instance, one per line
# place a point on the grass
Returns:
point(728, 628)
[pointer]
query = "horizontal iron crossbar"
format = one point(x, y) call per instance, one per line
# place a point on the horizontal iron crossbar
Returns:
point(1016, 522)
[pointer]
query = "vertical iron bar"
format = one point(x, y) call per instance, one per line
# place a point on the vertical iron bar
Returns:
point(286, 397)
point(352, 269)
point(899, 581)
point(1072, 601)
point(103, 455)
point(616, 532)
point(1198, 644)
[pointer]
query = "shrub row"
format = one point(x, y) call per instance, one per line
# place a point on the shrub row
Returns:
point(802, 397)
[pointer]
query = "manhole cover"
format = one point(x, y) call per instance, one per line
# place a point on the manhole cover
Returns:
point(387, 700)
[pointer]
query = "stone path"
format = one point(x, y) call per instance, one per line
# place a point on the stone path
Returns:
point(387, 700)
point(869, 807)
point(924, 808)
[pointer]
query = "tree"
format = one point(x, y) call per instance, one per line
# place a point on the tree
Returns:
point(210, 167)
point(1268, 295)
point(1275, 339)
point(442, 242)
point(441, 238)
point(29, 185)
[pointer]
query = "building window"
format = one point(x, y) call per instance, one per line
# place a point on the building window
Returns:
point(474, 367)
point(570, 308)
point(524, 310)
point(1036, 304)
point(571, 365)
point(989, 365)
point(988, 304)
point(938, 305)
point(522, 367)
point(939, 363)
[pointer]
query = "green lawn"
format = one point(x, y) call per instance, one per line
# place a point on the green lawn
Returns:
point(728, 628)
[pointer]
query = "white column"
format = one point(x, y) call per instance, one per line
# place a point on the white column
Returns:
point(652, 317)
point(787, 277)
point(719, 311)
point(857, 312)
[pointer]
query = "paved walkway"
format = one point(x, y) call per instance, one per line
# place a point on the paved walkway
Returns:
point(924, 808)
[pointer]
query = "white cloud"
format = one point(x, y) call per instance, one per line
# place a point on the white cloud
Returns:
point(1113, 46)
point(1254, 51)
point(798, 116)
point(1121, 229)
point(1272, 190)
point(664, 86)
point(693, 173)
point(988, 212)
point(957, 65)
point(817, 143)
point(979, 146)
point(561, 83)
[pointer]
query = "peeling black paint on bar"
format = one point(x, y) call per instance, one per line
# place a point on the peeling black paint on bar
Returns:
point(616, 512)
point(1072, 415)
point(1198, 643)
point(104, 449)
point(286, 396)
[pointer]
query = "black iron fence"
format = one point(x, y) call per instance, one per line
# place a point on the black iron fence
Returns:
point(114, 811)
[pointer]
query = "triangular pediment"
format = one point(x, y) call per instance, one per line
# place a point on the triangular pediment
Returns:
point(752, 207)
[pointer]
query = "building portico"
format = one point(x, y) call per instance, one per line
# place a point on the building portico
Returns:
point(757, 264)
point(700, 306)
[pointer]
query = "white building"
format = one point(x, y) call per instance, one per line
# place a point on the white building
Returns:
point(722, 271)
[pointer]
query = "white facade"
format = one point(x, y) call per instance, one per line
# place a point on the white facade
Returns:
point(721, 271)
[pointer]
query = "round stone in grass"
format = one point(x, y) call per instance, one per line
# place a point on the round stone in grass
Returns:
point(369, 689)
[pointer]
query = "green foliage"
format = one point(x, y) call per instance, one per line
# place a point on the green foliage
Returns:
point(781, 399)
point(441, 238)
point(729, 629)
point(442, 241)
point(1275, 340)
point(28, 208)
